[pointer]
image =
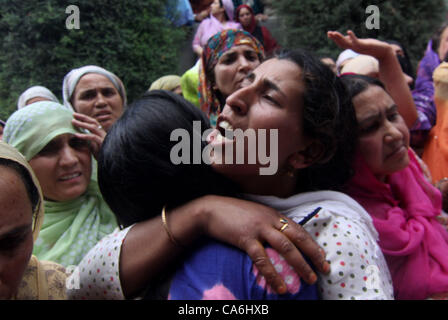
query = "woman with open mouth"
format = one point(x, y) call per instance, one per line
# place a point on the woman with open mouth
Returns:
point(76, 216)
point(303, 99)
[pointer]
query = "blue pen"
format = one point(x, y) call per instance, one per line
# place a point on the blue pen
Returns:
point(309, 216)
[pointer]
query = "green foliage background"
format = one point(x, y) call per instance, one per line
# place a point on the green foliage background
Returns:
point(130, 38)
point(135, 41)
point(304, 23)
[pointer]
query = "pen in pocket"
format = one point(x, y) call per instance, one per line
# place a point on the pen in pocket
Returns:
point(309, 216)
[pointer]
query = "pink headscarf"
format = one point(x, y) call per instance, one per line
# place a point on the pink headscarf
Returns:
point(229, 8)
point(403, 211)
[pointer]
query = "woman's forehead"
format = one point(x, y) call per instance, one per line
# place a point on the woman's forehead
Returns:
point(238, 48)
point(244, 10)
point(372, 100)
point(279, 70)
point(93, 80)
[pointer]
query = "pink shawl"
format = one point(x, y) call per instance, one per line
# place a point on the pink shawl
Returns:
point(403, 211)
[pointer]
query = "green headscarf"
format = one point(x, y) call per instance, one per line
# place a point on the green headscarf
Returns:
point(189, 83)
point(71, 228)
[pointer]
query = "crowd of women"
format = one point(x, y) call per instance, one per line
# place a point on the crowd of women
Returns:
point(95, 208)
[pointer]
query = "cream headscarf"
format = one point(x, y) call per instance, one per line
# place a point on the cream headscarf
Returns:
point(41, 280)
point(71, 79)
point(34, 92)
point(169, 83)
point(70, 228)
point(362, 64)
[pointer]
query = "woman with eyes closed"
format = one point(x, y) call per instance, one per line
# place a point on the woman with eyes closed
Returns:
point(22, 275)
point(295, 94)
point(76, 217)
point(389, 181)
point(227, 58)
point(304, 100)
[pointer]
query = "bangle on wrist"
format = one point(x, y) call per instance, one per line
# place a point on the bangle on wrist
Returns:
point(167, 229)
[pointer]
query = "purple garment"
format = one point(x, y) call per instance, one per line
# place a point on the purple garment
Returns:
point(216, 271)
point(423, 95)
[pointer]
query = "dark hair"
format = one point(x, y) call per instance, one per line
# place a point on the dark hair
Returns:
point(328, 118)
point(436, 37)
point(357, 83)
point(135, 173)
point(22, 172)
point(405, 62)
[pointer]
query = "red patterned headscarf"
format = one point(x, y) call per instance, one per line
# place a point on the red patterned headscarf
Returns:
point(215, 48)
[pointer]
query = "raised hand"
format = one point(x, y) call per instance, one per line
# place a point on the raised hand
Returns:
point(371, 47)
point(249, 225)
point(96, 135)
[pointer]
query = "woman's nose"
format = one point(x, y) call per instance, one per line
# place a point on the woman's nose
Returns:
point(100, 101)
point(238, 101)
point(245, 65)
point(68, 156)
point(393, 133)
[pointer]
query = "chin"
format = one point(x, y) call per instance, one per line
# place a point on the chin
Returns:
point(404, 162)
point(399, 166)
point(71, 194)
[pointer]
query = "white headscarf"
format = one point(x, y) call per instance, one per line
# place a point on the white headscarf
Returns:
point(344, 55)
point(34, 92)
point(71, 79)
point(362, 64)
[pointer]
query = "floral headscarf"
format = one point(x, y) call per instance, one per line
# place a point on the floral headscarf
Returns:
point(215, 48)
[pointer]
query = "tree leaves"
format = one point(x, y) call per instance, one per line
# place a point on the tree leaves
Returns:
point(408, 21)
point(130, 38)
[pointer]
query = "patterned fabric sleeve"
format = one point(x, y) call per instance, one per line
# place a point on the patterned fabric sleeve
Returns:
point(56, 279)
point(97, 275)
point(423, 95)
point(358, 268)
